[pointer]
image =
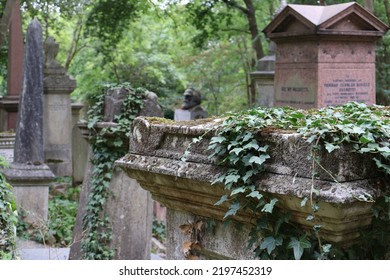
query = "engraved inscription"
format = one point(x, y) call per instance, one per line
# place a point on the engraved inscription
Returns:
point(294, 96)
point(340, 91)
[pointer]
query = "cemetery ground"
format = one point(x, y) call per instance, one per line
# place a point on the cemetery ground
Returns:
point(52, 239)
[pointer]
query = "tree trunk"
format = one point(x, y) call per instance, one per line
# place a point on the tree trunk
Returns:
point(387, 8)
point(255, 36)
point(74, 48)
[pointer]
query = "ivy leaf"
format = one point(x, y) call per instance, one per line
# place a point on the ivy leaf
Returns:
point(221, 200)
point(259, 160)
point(310, 218)
point(238, 190)
point(269, 206)
point(232, 210)
point(251, 145)
point(358, 130)
point(330, 147)
point(248, 136)
point(231, 179)
point(303, 202)
point(366, 139)
point(247, 175)
point(298, 246)
point(382, 165)
point(263, 149)
point(237, 151)
point(255, 194)
point(217, 139)
point(270, 244)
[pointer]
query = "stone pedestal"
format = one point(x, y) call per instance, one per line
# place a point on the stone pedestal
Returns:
point(31, 188)
point(58, 86)
point(190, 114)
point(325, 55)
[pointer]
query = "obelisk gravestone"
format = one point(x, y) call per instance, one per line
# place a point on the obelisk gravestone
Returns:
point(28, 174)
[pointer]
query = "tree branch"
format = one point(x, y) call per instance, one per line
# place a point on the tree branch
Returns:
point(234, 4)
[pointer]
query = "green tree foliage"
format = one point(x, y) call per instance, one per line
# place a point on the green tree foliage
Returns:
point(167, 45)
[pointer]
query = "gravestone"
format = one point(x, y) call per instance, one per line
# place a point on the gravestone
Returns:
point(263, 80)
point(128, 206)
point(58, 86)
point(9, 104)
point(191, 109)
point(325, 54)
point(28, 174)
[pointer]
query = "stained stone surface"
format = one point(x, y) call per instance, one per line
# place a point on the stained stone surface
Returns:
point(113, 103)
point(29, 131)
point(28, 174)
point(58, 86)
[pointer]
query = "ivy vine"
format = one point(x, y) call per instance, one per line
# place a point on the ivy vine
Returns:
point(107, 145)
point(236, 147)
point(8, 217)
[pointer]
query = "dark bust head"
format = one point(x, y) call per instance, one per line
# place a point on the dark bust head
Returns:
point(192, 99)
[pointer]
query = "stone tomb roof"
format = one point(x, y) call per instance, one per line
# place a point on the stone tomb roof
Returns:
point(341, 19)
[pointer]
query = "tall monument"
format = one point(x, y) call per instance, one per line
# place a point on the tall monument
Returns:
point(28, 174)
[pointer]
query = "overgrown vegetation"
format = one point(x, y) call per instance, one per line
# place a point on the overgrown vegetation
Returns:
point(365, 128)
point(8, 217)
point(108, 145)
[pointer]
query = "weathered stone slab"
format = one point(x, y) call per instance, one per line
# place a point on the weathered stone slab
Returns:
point(288, 150)
point(130, 210)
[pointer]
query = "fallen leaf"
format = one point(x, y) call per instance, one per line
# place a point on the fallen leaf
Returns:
point(186, 247)
point(199, 225)
point(186, 229)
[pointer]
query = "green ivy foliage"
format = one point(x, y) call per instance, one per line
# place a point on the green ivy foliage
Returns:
point(8, 217)
point(365, 128)
point(107, 146)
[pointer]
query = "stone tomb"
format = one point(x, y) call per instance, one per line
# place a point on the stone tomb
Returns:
point(325, 55)
point(186, 189)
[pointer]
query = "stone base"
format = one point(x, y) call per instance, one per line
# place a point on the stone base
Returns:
point(31, 188)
